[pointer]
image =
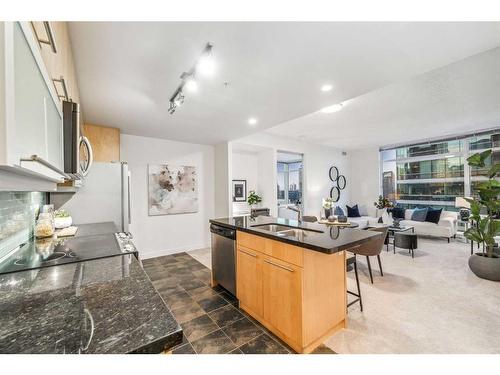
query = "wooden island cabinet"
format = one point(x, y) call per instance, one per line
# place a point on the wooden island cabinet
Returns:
point(297, 293)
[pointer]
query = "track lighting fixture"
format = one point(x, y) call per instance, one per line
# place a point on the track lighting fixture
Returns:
point(205, 65)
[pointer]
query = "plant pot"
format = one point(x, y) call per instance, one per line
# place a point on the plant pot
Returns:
point(485, 267)
point(63, 222)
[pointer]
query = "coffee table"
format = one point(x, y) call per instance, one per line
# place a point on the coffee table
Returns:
point(391, 230)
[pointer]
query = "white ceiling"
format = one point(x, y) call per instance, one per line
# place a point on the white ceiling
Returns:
point(128, 71)
point(458, 98)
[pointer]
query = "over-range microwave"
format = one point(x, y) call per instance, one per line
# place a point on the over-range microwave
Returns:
point(77, 149)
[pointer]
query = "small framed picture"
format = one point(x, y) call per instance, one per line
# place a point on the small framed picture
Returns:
point(239, 190)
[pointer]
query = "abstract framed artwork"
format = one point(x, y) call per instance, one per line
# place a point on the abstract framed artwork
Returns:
point(239, 190)
point(172, 189)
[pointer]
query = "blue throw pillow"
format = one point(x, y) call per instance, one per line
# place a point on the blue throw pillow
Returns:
point(338, 211)
point(419, 214)
point(433, 215)
point(397, 212)
point(353, 211)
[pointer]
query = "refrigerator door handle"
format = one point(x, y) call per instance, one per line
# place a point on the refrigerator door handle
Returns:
point(128, 200)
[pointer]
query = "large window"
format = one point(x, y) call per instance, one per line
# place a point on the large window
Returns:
point(435, 173)
point(438, 168)
point(289, 189)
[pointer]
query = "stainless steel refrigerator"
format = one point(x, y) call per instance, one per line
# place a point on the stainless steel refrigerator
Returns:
point(104, 196)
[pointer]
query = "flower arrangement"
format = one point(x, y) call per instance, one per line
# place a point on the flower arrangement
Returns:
point(383, 203)
point(328, 203)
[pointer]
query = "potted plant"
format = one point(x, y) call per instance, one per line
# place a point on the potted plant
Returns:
point(328, 205)
point(253, 200)
point(382, 204)
point(485, 264)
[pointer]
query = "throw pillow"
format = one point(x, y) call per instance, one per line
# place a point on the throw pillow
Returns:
point(419, 214)
point(433, 215)
point(353, 211)
point(398, 213)
point(338, 211)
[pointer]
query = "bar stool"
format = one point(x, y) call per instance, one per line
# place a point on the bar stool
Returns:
point(406, 241)
point(351, 260)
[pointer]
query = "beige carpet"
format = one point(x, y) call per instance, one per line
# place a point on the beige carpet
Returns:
point(430, 304)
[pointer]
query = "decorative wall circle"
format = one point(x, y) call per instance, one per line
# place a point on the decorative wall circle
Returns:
point(341, 182)
point(333, 173)
point(335, 193)
point(334, 232)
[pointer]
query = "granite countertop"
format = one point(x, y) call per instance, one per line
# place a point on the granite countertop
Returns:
point(95, 229)
point(98, 306)
point(325, 238)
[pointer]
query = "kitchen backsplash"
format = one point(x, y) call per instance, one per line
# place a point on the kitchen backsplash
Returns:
point(18, 211)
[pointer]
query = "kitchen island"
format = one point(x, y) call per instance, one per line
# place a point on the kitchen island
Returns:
point(98, 306)
point(291, 276)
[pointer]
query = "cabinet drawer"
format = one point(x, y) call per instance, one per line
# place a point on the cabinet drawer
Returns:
point(279, 250)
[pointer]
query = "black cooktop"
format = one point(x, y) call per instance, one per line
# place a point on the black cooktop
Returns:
point(51, 252)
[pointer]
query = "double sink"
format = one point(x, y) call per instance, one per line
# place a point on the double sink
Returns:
point(287, 231)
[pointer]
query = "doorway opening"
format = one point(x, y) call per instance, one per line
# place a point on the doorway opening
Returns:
point(290, 177)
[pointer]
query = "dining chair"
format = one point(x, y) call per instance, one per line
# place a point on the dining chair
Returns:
point(309, 219)
point(373, 248)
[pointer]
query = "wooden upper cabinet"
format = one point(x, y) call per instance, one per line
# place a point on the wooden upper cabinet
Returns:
point(105, 142)
point(60, 64)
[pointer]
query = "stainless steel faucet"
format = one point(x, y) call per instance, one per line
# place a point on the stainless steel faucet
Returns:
point(296, 209)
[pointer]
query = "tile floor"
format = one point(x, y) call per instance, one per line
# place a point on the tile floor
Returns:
point(430, 304)
point(210, 317)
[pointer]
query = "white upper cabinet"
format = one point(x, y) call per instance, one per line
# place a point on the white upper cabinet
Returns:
point(33, 122)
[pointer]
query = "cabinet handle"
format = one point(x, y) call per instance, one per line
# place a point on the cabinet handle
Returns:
point(62, 81)
point(278, 265)
point(37, 159)
point(247, 253)
point(50, 36)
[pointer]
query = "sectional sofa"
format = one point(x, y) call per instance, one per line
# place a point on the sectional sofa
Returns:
point(446, 227)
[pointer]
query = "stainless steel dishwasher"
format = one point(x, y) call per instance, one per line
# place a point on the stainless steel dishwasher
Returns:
point(224, 257)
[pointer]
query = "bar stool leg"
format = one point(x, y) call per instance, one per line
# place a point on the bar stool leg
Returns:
point(380, 265)
point(357, 284)
point(369, 268)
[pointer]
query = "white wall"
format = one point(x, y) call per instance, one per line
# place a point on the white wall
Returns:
point(222, 183)
point(365, 178)
point(245, 167)
point(166, 234)
point(267, 180)
point(317, 162)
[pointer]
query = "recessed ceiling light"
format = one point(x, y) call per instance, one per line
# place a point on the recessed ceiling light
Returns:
point(191, 85)
point(332, 108)
point(326, 88)
point(252, 121)
point(206, 65)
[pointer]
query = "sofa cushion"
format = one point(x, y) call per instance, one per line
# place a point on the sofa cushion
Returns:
point(419, 214)
point(408, 214)
point(362, 221)
point(338, 211)
point(425, 228)
point(433, 215)
point(353, 211)
point(398, 213)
